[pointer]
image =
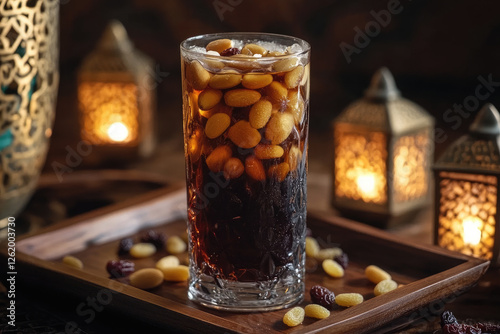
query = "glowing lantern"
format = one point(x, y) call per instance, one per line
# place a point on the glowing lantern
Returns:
point(115, 99)
point(382, 150)
point(467, 179)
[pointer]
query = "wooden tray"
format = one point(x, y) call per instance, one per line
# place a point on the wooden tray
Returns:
point(428, 273)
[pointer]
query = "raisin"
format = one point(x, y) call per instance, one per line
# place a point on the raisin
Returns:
point(489, 328)
point(156, 238)
point(294, 317)
point(125, 245)
point(120, 268)
point(322, 296)
point(448, 318)
point(230, 52)
point(316, 311)
point(452, 329)
point(456, 328)
point(450, 325)
point(342, 259)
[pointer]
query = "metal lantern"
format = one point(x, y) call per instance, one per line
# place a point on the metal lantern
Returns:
point(382, 152)
point(467, 179)
point(116, 102)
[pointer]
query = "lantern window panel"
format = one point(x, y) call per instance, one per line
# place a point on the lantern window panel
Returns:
point(411, 168)
point(109, 112)
point(466, 215)
point(360, 166)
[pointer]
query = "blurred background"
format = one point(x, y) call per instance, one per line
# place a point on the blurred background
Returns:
point(443, 54)
point(435, 50)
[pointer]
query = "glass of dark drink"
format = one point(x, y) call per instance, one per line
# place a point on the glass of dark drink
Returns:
point(245, 119)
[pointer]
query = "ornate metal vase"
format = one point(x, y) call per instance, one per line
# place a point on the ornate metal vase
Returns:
point(29, 77)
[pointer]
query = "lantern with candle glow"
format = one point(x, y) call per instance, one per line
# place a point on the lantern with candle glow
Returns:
point(382, 150)
point(116, 97)
point(467, 179)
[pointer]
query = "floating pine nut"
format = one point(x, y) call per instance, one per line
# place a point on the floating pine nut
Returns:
point(275, 54)
point(212, 64)
point(167, 262)
point(233, 168)
point(225, 81)
point(268, 151)
point(197, 76)
point(316, 311)
point(293, 78)
point(209, 98)
point(242, 62)
point(260, 113)
point(175, 245)
point(294, 317)
point(384, 287)
point(279, 171)
point(312, 247)
point(349, 299)
point(243, 135)
point(295, 106)
point(328, 253)
point(376, 274)
point(256, 81)
point(219, 45)
point(241, 97)
point(279, 127)
point(216, 125)
point(255, 169)
point(332, 268)
point(294, 157)
point(285, 65)
point(142, 249)
point(220, 108)
point(277, 92)
point(72, 262)
point(218, 157)
point(194, 145)
point(251, 49)
point(176, 274)
point(146, 278)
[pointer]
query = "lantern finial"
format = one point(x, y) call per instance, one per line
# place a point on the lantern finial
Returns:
point(115, 37)
point(382, 86)
point(487, 121)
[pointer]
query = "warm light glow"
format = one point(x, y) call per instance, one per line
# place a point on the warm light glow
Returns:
point(109, 113)
point(360, 166)
point(411, 172)
point(472, 230)
point(467, 211)
point(118, 132)
point(366, 183)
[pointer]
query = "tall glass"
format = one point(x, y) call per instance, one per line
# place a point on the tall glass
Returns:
point(246, 113)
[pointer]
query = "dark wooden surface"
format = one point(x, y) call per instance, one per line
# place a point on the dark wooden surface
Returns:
point(435, 274)
point(53, 309)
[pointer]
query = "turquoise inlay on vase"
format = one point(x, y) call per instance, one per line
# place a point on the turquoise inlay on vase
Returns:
point(6, 139)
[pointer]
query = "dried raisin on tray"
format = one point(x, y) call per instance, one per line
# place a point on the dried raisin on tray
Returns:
point(322, 296)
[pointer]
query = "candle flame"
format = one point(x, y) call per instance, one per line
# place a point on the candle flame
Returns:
point(118, 132)
point(367, 185)
point(472, 230)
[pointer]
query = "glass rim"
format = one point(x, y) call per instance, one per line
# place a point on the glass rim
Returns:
point(306, 46)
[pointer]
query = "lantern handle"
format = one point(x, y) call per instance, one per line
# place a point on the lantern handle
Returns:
point(382, 86)
point(487, 121)
point(115, 37)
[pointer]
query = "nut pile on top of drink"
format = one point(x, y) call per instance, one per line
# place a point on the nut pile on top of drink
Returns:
point(247, 106)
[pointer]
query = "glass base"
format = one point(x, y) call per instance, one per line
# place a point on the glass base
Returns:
point(235, 296)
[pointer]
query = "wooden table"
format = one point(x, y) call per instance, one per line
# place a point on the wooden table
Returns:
point(42, 310)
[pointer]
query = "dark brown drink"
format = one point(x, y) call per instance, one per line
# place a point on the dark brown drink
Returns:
point(245, 127)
